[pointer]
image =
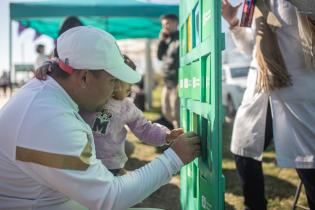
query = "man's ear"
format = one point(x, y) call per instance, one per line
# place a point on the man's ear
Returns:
point(83, 78)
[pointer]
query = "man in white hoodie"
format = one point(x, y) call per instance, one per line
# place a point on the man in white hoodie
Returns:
point(47, 153)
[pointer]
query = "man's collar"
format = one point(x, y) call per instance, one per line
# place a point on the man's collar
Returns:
point(53, 83)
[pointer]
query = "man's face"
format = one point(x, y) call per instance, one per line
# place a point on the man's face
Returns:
point(98, 90)
point(169, 26)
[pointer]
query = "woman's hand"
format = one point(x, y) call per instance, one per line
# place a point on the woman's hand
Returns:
point(229, 12)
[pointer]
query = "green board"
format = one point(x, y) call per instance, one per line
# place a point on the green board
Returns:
point(201, 44)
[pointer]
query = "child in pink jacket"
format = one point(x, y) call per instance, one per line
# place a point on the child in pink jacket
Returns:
point(109, 129)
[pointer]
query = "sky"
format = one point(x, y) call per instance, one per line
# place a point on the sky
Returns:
point(23, 45)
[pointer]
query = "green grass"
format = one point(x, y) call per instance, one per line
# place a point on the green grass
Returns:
point(280, 183)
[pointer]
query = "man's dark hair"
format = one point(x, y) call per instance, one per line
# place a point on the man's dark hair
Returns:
point(68, 23)
point(57, 72)
point(169, 17)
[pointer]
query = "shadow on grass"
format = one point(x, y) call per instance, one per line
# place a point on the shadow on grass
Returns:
point(154, 109)
point(270, 160)
point(166, 197)
point(228, 206)
point(283, 190)
point(134, 163)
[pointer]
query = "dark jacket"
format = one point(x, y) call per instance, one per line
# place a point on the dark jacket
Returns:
point(168, 53)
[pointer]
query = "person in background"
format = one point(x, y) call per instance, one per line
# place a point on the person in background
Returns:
point(41, 55)
point(168, 53)
point(137, 93)
point(278, 103)
point(5, 83)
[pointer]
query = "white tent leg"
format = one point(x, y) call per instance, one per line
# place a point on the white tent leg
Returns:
point(148, 76)
point(11, 73)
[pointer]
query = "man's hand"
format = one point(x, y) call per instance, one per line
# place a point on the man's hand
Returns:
point(229, 12)
point(187, 147)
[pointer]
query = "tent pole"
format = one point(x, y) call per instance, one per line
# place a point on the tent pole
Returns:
point(148, 76)
point(10, 52)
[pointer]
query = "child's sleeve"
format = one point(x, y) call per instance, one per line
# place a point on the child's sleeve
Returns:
point(150, 133)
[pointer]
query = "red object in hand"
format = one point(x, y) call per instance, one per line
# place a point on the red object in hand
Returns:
point(248, 13)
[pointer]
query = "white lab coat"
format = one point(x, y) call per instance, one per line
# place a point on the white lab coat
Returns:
point(293, 108)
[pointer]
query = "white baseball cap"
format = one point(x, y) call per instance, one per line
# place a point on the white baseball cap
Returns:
point(86, 47)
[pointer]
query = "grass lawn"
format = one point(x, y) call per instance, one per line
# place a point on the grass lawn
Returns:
point(280, 183)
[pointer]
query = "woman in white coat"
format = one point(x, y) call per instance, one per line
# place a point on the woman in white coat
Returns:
point(285, 112)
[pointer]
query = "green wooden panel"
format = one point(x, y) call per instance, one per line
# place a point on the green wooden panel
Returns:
point(195, 78)
point(184, 82)
point(202, 182)
point(181, 77)
point(183, 40)
point(208, 78)
point(206, 19)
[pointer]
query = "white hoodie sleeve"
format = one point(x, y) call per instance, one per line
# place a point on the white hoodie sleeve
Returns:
point(96, 188)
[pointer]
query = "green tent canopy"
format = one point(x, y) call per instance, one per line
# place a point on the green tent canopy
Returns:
point(122, 18)
point(120, 28)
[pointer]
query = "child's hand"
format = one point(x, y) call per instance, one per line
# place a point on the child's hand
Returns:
point(42, 71)
point(173, 135)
